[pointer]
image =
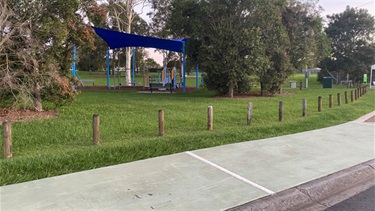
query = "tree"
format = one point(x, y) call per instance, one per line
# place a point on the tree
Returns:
point(149, 62)
point(238, 39)
point(92, 57)
point(309, 44)
point(35, 54)
point(272, 63)
point(221, 44)
point(123, 16)
point(353, 47)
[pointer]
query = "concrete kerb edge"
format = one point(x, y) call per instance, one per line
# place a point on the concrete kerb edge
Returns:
point(365, 117)
point(311, 193)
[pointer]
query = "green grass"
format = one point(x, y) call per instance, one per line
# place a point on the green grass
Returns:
point(129, 127)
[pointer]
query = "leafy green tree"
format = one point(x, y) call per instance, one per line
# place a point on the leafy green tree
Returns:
point(275, 66)
point(35, 55)
point(238, 39)
point(221, 44)
point(149, 62)
point(91, 57)
point(160, 15)
point(304, 25)
point(352, 34)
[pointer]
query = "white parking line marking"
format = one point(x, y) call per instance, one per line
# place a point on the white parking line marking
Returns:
point(230, 173)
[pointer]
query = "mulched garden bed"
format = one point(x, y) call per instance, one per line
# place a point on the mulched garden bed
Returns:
point(18, 115)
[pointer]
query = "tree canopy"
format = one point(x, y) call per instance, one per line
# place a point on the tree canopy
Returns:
point(37, 39)
point(238, 39)
point(352, 34)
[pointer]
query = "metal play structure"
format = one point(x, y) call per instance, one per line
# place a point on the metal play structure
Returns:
point(115, 39)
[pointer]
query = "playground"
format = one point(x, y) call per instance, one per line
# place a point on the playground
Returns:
point(166, 79)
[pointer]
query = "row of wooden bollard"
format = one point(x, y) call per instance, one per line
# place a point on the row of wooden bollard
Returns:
point(354, 95)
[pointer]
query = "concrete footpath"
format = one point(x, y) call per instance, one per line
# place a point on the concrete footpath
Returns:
point(215, 178)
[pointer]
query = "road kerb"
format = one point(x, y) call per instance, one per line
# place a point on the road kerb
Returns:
point(310, 194)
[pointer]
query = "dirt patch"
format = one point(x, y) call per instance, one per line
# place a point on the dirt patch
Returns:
point(19, 115)
point(254, 94)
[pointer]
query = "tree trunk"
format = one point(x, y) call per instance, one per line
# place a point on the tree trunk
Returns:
point(128, 66)
point(231, 89)
point(261, 88)
point(130, 17)
point(37, 98)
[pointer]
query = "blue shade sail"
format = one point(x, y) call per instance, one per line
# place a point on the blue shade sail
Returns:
point(116, 39)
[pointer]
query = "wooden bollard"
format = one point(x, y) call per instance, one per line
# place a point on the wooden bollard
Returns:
point(249, 113)
point(319, 103)
point(351, 95)
point(304, 107)
point(359, 92)
point(161, 122)
point(338, 99)
point(280, 111)
point(330, 101)
point(7, 140)
point(355, 94)
point(210, 114)
point(346, 97)
point(95, 129)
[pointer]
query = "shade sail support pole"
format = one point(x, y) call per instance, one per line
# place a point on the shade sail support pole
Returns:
point(108, 69)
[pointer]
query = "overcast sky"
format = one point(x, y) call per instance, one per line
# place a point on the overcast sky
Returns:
point(338, 6)
point(330, 7)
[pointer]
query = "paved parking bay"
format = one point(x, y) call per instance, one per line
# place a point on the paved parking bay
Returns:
point(208, 179)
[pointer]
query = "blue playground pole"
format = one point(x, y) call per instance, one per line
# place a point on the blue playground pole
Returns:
point(108, 69)
point(133, 65)
point(74, 71)
point(197, 77)
point(174, 78)
point(183, 69)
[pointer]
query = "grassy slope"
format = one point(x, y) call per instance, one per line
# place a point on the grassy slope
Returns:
point(129, 127)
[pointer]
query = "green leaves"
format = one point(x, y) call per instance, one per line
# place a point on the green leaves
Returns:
point(352, 34)
point(239, 39)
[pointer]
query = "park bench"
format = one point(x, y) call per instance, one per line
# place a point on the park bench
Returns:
point(345, 82)
point(88, 81)
point(161, 86)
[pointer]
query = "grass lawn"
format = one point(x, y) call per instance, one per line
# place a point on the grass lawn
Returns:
point(129, 127)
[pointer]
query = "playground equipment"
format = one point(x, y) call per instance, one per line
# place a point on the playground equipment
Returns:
point(168, 76)
point(166, 79)
point(74, 70)
point(116, 39)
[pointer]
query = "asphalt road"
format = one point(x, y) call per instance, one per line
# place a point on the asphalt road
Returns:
point(364, 201)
